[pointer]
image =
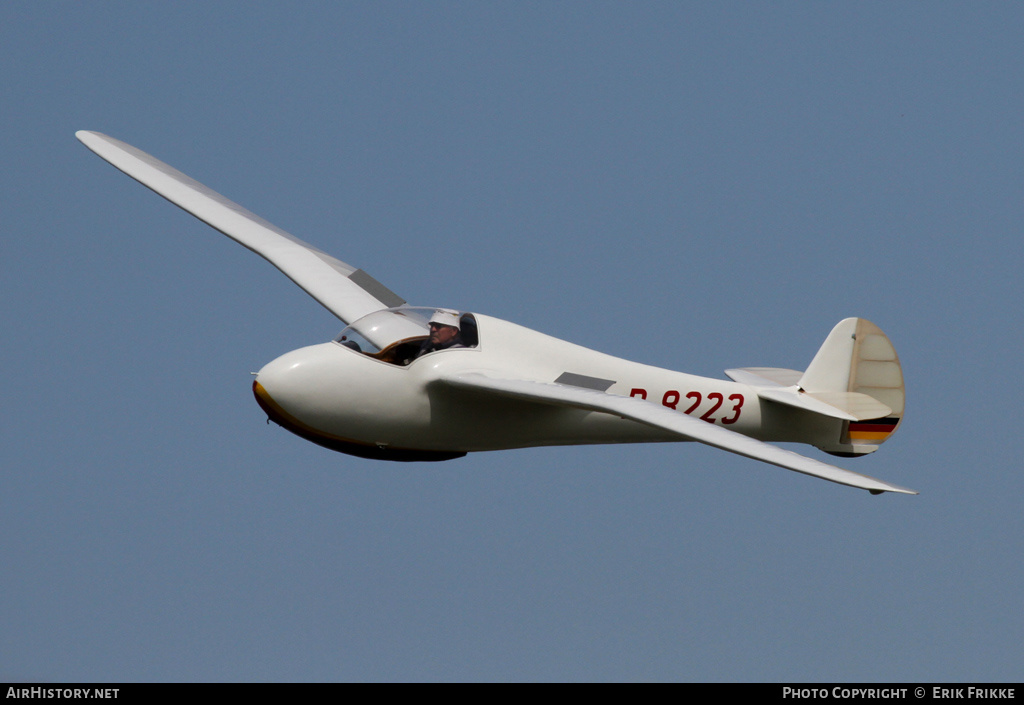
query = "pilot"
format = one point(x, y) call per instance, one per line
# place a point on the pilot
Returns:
point(445, 332)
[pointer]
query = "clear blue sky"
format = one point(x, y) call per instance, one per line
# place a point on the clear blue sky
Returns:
point(693, 185)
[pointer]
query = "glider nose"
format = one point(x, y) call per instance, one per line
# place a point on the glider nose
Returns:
point(267, 403)
point(275, 376)
point(290, 388)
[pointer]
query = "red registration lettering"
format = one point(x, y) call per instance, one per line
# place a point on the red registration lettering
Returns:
point(737, 404)
point(696, 397)
point(670, 399)
point(718, 399)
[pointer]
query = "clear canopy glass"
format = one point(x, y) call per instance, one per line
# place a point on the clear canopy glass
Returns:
point(395, 334)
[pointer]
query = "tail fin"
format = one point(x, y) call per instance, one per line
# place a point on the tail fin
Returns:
point(858, 357)
point(855, 380)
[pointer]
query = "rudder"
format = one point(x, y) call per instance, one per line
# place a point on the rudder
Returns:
point(858, 357)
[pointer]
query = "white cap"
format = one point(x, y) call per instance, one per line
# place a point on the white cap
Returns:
point(445, 317)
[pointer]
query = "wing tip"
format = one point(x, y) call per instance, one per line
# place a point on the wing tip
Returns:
point(90, 138)
point(894, 489)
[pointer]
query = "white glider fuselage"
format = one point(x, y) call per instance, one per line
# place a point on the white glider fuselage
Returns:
point(337, 396)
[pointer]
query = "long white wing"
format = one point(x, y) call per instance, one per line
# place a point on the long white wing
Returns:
point(345, 291)
point(687, 427)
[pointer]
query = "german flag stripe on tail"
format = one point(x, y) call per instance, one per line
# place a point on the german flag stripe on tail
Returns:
point(873, 430)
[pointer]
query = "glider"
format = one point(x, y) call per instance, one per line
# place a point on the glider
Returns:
point(420, 384)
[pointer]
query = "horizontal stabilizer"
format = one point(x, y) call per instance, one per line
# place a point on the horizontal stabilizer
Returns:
point(765, 376)
point(849, 406)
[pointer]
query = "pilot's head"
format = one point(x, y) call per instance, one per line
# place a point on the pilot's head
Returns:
point(444, 326)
